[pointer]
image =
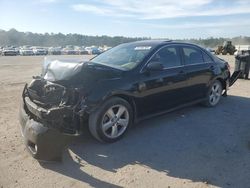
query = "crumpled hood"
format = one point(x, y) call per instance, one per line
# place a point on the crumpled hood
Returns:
point(77, 72)
point(60, 69)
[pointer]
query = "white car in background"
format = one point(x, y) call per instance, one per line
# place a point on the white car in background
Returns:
point(9, 51)
point(26, 50)
point(89, 50)
point(105, 48)
point(39, 51)
point(55, 51)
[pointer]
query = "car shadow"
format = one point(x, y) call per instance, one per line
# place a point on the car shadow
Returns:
point(196, 143)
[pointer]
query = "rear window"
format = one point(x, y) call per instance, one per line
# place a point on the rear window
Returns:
point(206, 57)
point(192, 55)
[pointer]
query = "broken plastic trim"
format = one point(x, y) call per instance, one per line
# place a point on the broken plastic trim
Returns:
point(61, 114)
point(234, 77)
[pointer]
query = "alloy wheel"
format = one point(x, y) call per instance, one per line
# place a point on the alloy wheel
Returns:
point(115, 121)
point(215, 94)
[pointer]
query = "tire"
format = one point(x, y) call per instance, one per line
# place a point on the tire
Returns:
point(116, 114)
point(214, 94)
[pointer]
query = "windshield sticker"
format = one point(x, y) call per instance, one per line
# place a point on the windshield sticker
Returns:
point(143, 48)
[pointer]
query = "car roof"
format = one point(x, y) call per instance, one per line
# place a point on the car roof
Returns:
point(151, 42)
point(161, 42)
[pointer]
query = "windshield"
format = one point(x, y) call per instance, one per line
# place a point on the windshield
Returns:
point(123, 57)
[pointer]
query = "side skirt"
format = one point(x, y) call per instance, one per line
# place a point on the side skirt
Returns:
point(137, 120)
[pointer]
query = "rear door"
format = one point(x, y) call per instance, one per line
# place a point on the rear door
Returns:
point(199, 70)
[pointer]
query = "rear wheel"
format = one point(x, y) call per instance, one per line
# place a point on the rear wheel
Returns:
point(110, 122)
point(214, 94)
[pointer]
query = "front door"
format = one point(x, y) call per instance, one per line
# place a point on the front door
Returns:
point(160, 90)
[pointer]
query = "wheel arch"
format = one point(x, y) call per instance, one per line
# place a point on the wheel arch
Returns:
point(221, 79)
point(92, 107)
point(127, 98)
point(130, 100)
point(223, 82)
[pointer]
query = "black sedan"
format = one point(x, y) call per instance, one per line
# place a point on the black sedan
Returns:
point(112, 91)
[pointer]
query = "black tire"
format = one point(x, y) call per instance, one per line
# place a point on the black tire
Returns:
point(209, 102)
point(96, 119)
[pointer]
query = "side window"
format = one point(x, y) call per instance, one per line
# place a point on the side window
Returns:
point(192, 55)
point(206, 57)
point(168, 56)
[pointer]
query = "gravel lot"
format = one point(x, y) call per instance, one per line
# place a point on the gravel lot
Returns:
point(192, 147)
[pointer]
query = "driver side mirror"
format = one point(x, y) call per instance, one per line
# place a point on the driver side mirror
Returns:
point(154, 66)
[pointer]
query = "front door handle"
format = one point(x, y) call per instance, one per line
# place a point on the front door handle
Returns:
point(211, 67)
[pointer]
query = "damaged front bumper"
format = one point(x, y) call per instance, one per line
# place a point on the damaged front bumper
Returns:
point(46, 132)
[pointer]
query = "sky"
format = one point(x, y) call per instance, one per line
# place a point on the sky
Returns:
point(173, 19)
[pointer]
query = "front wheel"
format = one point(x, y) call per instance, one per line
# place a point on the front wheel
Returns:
point(111, 120)
point(214, 94)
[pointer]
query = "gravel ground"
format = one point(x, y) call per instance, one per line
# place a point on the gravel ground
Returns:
point(192, 147)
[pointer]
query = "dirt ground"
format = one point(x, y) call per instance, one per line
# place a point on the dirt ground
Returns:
point(192, 147)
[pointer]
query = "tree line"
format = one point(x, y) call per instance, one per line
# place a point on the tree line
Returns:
point(16, 38)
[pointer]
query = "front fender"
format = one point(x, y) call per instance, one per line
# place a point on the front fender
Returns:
point(105, 90)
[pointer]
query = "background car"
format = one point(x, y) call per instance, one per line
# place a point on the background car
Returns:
point(69, 50)
point(55, 51)
point(39, 51)
point(81, 51)
point(96, 51)
point(26, 51)
point(9, 51)
point(89, 50)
